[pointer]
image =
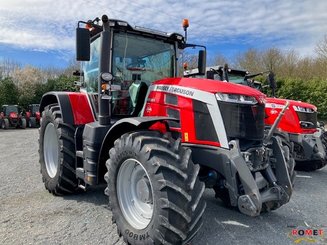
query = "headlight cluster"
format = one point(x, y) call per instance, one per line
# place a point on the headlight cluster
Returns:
point(236, 98)
point(303, 109)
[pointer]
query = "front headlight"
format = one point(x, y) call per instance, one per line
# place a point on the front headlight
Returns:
point(236, 98)
point(303, 109)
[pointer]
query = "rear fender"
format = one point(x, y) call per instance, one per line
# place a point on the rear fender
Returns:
point(75, 107)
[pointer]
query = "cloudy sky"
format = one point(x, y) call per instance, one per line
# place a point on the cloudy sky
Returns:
point(41, 32)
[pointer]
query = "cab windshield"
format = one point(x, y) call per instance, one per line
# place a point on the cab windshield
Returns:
point(11, 108)
point(139, 58)
point(134, 58)
point(236, 79)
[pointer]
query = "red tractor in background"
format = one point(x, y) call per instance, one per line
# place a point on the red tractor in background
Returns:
point(156, 139)
point(32, 116)
point(11, 117)
point(299, 122)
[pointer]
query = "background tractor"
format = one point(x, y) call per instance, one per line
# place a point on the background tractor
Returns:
point(32, 116)
point(11, 117)
point(157, 139)
point(300, 123)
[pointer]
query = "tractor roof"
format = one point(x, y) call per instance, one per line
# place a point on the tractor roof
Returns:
point(121, 25)
point(192, 72)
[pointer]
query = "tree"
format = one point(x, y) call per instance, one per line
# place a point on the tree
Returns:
point(62, 83)
point(272, 59)
point(8, 67)
point(321, 48)
point(289, 62)
point(8, 92)
point(220, 60)
point(250, 60)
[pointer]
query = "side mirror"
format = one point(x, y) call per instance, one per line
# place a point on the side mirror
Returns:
point(82, 44)
point(202, 62)
point(211, 75)
point(271, 80)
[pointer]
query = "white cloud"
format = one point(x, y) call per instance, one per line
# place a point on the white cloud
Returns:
point(49, 25)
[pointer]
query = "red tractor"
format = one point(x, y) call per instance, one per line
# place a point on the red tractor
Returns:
point(33, 116)
point(299, 122)
point(308, 136)
point(157, 140)
point(10, 117)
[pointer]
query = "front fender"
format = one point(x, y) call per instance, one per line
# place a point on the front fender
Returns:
point(121, 127)
point(130, 124)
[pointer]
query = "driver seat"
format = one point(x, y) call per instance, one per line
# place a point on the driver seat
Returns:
point(137, 91)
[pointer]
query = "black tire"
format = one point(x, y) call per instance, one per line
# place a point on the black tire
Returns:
point(5, 123)
point(177, 192)
point(64, 181)
point(22, 123)
point(2, 124)
point(313, 165)
point(288, 150)
point(32, 122)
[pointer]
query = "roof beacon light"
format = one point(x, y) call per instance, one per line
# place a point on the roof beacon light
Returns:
point(185, 26)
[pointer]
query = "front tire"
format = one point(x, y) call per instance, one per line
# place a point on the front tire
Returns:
point(5, 124)
point(32, 122)
point(23, 123)
point(149, 172)
point(56, 150)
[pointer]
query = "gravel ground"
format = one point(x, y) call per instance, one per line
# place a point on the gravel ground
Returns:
point(30, 215)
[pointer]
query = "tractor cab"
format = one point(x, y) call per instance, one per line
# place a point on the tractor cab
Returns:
point(12, 110)
point(34, 109)
point(137, 57)
point(224, 73)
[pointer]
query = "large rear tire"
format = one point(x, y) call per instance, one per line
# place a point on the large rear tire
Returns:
point(5, 123)
point(56, 151)
point(154, 191)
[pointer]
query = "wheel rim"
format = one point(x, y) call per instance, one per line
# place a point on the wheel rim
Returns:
point(135, 193)
point(51, 150)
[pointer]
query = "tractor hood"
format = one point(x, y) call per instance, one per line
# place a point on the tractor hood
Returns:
point(13, 115)
point(276, 102)
point(212, 86)
point(300, 118)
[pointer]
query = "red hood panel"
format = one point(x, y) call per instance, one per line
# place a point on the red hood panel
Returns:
point(212, 86)
point(290, 122)
point(292, 102)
